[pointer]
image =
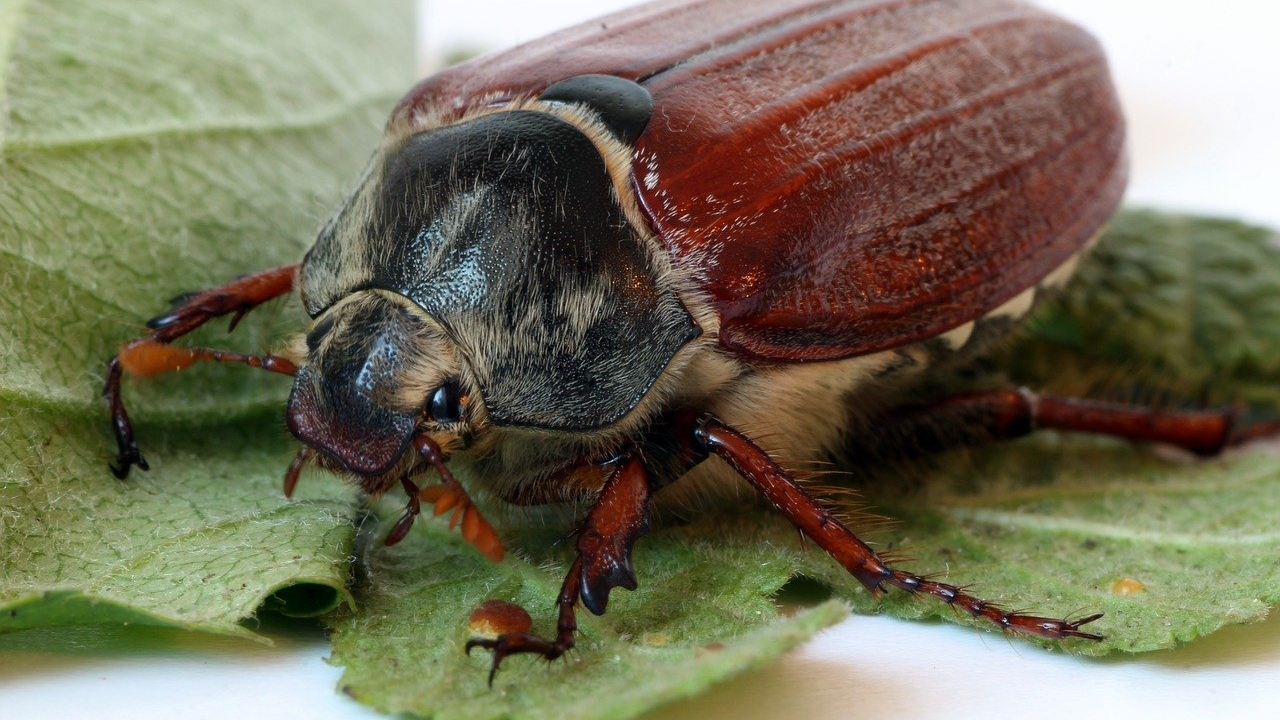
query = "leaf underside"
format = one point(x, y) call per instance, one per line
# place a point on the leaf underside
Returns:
point(135, 170)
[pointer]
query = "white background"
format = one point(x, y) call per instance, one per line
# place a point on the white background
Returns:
point(1201, 86)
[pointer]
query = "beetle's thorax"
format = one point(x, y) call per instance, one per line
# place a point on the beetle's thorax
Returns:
point(505, 231)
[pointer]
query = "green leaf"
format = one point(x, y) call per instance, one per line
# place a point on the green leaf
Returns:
point(149, 149)
point(152, 149)
point(1174, 305)
point(1169, 547)
point(1168, 309)
point(702, 613)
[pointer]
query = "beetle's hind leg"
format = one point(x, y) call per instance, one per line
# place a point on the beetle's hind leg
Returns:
point(841, 543)
point(150, 355)
point(1006, 413)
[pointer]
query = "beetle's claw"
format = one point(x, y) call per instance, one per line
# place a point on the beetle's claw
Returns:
point(240, 313)
point(1070, 628)
point(127, 458)
point(515, 643)
point(163, 321)
point(488, 644)
point(1053, 628)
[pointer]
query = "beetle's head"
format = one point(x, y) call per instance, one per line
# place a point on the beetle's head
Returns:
point(377, 372)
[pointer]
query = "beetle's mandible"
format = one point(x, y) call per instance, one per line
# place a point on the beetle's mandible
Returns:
point(599, 264)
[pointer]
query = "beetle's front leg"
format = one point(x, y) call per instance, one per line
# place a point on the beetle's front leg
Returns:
point(619, 517)
point(150, 355)
point(239, 296)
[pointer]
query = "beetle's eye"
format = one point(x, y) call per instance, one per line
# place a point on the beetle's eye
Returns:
point(446, 403)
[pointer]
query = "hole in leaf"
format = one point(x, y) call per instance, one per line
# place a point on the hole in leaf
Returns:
point(303, 600)
point(801, 592)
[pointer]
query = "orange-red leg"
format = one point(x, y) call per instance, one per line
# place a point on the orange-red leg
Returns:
point(151, 354)
point(1007, 413)
point(619, 517)
point(846, 548)
point(239, 296)
point(446, 496)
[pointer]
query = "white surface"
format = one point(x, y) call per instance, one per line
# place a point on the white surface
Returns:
point(1200, 84)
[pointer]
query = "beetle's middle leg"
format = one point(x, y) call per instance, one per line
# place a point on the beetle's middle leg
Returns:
point(149, 354)
point(604, 541)
point(841, 543)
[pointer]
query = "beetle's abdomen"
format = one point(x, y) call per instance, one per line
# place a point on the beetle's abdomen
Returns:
point(874, 174)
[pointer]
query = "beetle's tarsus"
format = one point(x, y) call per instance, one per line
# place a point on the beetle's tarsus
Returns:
point(1069, 628)
point(517, 643)
point(401, 529)
point(126, 460)
point(1015, 621)
point(127, 453)
point(304, 456)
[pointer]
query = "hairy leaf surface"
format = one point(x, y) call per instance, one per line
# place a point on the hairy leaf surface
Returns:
point(149, 149)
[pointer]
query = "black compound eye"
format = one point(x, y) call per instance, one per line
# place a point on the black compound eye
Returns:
point(446, 403)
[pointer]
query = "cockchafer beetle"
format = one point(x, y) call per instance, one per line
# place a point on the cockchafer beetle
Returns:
point(598, 264)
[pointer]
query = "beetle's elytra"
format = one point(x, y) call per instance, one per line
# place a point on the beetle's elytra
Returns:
point(583, 267)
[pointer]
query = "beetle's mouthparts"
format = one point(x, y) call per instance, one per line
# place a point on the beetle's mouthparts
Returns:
point(366, 438)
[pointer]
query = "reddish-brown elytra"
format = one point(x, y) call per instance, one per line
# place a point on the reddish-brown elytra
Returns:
point(582, 267)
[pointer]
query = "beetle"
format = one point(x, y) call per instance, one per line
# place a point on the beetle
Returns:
point(605, 264)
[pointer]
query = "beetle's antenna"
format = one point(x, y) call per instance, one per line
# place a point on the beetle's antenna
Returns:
point(450, 495)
